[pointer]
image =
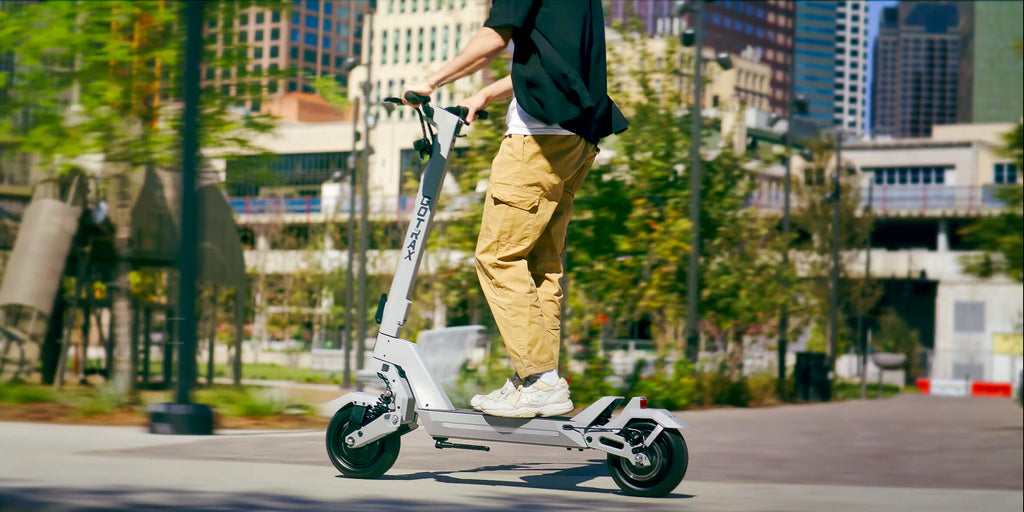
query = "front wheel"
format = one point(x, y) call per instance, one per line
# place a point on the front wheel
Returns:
point(368, 461)
point(669, 460)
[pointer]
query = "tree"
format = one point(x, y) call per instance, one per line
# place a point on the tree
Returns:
point(101, 78)
point(627, 248)
point(814, 219)
point(1001, 237)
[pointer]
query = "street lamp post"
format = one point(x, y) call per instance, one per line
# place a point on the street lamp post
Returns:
point(833, 302)
point(349, 277)
point(695, 37)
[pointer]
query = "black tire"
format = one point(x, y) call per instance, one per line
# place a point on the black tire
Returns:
point(369, 461)
point(669, 460)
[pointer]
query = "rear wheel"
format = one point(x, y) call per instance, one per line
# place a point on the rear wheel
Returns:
point(368, 461)
point(669, 460)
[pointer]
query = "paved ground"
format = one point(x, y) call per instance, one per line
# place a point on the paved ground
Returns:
point(909, 453)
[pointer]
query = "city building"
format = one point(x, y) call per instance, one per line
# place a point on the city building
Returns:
point(991, 73)
point(761, 30)
point(851, 65)
point(916, 65)
point(314, 37)
point(831, 62)
point(923, 192)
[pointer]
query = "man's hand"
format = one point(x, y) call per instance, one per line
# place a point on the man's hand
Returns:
point(424, 88)
point(474, 103)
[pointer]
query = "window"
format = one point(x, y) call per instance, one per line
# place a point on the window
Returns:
point(329, 8)
point(326, 43)
point(293, 53)
point(275, 17)
point(343, 29)
point(1005, 173)
point(243, 37)
point(313, 5)
point(295, 35)
point(292, 86)
point(275, 52)
point(310, 38)
point(243, 20)
point(257, 53)
point(275, 34)
point(311, 21)
point(272, 86)
point(325, 60)
point(327, 25)
point(259, 18)
point(212, 73)
point(309, 56)
point(259, 35)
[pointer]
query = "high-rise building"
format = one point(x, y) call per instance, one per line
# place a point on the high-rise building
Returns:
point(314, 37)
point(991, 73)
point(917, 57)
point(851, 65)
point(830, 61)
point(760, 30)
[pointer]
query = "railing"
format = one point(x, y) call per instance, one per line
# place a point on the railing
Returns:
point(898, 200)
point(398, 205)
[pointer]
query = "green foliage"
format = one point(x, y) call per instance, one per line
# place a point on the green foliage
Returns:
point(14, 393)
point(894, 335)
point(102, 400)
point(264, 371)
point(814, 218)
point(593, 383)
point(488, 375)
point(103, 78)
point(762, 389)
point(1001, 237)
point(245, 401)
point(842, 390)
point(673, 391)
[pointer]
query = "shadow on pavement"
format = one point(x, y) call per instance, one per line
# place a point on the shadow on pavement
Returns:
point(165, 500)
point(568, 479)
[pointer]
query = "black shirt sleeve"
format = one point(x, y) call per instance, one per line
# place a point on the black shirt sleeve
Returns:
point(509, 13)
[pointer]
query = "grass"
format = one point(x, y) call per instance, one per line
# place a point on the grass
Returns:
point(851, 390)
point(16, 394)
point(262, 371)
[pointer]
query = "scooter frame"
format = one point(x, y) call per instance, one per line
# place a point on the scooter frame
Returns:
point(412, 394)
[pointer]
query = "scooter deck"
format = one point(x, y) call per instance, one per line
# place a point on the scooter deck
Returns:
point(475, 425)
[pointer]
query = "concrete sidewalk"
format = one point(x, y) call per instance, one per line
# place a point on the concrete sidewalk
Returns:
point(912, 453)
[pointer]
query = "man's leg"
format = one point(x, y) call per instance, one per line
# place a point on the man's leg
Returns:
point(545, 260)
point(526, 192)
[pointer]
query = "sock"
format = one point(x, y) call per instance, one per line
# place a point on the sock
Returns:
point(549, 377)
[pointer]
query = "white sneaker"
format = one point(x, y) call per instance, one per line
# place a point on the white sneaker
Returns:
point(537, 399)
point(510, 385)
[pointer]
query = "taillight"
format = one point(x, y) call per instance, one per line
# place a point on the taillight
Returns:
point(643, 403)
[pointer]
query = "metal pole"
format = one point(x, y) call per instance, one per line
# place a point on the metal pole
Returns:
point(364, 194)
point(783, 345)
point(187, 268)
point(692, 278)
point(861, 336)
point(349, 279)
point(833, 303)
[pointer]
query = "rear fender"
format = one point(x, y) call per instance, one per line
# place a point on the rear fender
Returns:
point(633, 411)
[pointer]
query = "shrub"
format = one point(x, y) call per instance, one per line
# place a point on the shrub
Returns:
point(675, 391)
point(761, 389)
point(25, 394)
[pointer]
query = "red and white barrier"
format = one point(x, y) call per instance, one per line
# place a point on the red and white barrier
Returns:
point(951, 387)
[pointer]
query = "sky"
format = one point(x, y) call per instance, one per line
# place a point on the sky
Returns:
point(874, 19)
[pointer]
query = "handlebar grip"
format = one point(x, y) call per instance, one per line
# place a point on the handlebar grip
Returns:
point(463, 112)
point(416, 99)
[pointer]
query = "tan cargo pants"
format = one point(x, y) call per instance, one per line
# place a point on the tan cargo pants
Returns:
point(534, 179)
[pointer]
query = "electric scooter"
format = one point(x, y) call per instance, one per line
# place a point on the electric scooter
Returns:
point(647, 455)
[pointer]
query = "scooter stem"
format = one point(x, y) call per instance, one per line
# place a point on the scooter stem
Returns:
point(396, 310)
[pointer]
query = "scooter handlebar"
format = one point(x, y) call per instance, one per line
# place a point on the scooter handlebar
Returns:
point(420, 100)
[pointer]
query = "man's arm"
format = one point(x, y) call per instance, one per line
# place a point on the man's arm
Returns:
point(486, 44)
point(496, 91)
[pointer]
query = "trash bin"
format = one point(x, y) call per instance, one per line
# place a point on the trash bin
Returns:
point(811, 376)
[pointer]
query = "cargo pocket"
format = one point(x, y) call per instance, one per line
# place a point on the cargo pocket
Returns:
point(511, 214)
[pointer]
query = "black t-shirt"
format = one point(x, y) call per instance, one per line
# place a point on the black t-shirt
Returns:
point(559, 72)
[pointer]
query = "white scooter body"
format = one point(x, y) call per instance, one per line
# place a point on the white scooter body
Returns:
point(413, 394)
